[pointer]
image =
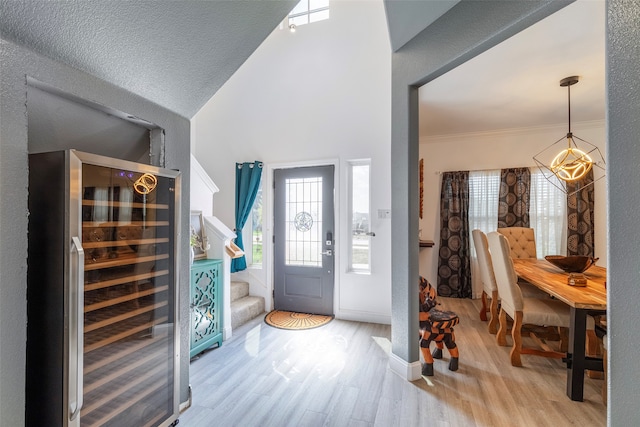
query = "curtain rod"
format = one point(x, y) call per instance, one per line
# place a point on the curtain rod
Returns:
point(485, 170)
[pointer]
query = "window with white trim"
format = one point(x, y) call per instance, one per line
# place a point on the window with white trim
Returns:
point(547, 209)
point(548, 215)
point(308, 11)
point(484, 190)
point(252, 233)
point(360, 214)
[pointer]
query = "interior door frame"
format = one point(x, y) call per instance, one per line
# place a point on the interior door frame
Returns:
point(268, 218)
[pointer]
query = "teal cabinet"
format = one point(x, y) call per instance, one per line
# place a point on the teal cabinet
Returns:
point(206, 305)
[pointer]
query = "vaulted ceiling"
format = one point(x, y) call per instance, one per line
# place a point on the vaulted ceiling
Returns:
point(179, 53)
point(174, 53)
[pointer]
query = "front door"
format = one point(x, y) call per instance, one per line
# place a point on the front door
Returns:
point(304, 239)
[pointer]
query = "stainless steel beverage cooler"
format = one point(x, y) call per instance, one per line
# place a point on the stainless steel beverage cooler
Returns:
point(102, 333)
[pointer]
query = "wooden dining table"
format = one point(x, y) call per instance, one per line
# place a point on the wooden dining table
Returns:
point(582, 301)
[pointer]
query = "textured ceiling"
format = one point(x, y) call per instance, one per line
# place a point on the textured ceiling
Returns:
point(407, 18)
point(174, 53)
point(516, 84)
point(179, 53)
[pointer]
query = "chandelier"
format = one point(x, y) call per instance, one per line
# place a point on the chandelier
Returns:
point(573, 162)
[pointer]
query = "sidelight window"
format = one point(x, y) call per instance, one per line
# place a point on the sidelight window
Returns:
point(360, 213)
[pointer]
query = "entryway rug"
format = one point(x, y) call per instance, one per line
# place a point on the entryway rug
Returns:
point(295, 321)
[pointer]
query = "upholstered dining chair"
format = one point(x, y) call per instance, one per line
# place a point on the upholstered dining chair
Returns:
point(489, 287)
point(534, 311)
point(522, 241)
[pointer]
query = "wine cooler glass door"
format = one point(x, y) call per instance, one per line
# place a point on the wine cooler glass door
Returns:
point(128, 229)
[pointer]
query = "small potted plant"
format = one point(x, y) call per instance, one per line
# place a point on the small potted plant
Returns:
point(196, 242)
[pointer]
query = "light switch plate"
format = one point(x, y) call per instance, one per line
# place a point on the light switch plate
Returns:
point(384, 213)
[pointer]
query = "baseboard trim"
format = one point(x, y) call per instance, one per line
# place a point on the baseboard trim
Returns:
point(359, 316)
point(186, 405)
point(227, 333)
point(409, 371)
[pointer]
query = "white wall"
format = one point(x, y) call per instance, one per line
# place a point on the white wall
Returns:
point(319, 95)
point(497, 150)
point(202, 189)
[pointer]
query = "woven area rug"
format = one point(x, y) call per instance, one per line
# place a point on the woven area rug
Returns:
point(295, 321)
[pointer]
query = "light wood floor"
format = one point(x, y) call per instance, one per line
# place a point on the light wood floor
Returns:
point(338, 375)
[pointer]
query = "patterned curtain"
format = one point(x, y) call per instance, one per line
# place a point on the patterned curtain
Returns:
point(454, 271)
point(580, 203)
point(513, 208)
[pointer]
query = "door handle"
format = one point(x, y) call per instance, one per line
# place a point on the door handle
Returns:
point(77, 322)
point(328, 252)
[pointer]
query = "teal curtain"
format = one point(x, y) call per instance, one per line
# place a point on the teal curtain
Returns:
point(247, 185)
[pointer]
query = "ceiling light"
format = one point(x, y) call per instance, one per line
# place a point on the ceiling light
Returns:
point(573, 162)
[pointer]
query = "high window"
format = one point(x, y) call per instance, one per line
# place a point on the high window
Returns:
point(308, 11)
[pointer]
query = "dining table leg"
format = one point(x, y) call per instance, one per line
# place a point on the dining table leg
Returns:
point(577, 361)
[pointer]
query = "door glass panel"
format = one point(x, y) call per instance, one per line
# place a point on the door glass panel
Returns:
point(303, 230)
point(127, 234)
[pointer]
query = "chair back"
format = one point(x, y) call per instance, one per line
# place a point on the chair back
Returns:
point(506, 277)
point(484, 261)
point(522, 241)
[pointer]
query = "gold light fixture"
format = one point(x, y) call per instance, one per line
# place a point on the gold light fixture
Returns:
point(573, 162)
point(145, 184)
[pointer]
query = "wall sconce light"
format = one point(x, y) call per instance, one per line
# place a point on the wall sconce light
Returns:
point(573, 162)
point(292, 28)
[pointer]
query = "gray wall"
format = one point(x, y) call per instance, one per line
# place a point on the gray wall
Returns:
point(623, 158)
point(466, 30)
point(17, 64)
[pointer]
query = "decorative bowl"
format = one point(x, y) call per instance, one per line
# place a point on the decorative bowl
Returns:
point(572, 264)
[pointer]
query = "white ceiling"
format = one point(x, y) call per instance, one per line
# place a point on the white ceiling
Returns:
point(517, 83)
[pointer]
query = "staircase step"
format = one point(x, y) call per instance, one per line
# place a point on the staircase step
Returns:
point(239, 290)
point(245, 309)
